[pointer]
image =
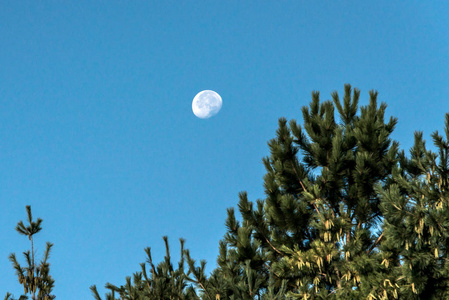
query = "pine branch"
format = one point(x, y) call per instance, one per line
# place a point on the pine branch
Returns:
point(375, 243)
point(297, 175)
point(302, 185)
point(271, 245)
point(94, 291)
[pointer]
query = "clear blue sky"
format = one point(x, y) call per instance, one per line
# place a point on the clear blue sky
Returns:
point(97, 132)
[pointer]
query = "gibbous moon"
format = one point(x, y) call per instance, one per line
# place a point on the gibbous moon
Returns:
point(206, 104)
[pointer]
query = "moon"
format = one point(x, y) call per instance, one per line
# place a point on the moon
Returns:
point(206, 104)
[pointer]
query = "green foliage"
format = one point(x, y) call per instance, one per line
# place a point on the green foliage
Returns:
point(347, 215)
point(160, 282)
point(317, 229)
point(416, 225)
point(35, 278)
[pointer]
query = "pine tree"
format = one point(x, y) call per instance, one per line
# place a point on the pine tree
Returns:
point(35, 279)
point(162, 281)
point(416, 212)
point(319, 226)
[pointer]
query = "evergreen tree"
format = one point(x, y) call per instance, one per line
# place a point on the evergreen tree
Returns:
point(416, 226)
point(161, 282)
point(35, 279)
point(318, 228)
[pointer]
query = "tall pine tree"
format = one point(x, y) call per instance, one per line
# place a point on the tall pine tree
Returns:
point(318, 230)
